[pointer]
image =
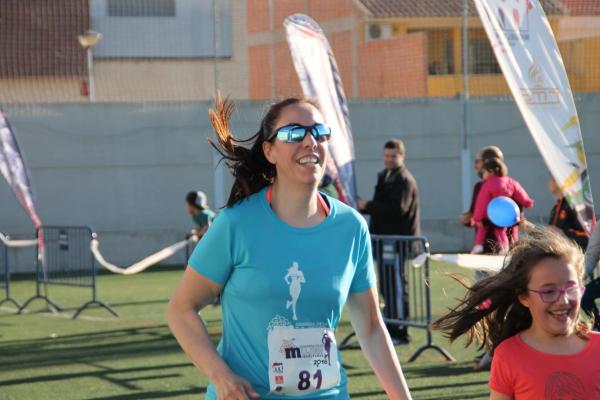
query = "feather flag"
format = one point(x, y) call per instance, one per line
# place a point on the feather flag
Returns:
point(527, 52)
point(320, 79)
point(14, 169)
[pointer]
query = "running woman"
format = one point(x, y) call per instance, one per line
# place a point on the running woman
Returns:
point(285, 259)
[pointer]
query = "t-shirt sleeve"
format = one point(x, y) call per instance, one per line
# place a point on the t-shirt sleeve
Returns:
point(213, 255)
point(500, 377)
point(364, 276)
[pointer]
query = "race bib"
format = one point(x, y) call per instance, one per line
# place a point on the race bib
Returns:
point(302, 360)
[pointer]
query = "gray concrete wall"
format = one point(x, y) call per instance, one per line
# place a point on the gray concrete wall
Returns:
point(124, 169)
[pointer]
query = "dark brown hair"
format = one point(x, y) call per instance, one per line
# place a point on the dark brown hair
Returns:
point(249, 166)
point(395, 144)
point(496, 166)
point(491, 311)
point(491, 152)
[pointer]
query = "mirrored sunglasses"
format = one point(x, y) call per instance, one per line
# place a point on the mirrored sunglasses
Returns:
point(295, 133)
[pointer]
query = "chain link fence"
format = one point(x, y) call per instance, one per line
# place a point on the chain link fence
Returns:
point(185, 50)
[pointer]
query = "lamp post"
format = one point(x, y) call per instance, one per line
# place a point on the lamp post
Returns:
point(88, 40)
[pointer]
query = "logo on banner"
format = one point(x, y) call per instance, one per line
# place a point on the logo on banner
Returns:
point(539, 93)
point(513, 16)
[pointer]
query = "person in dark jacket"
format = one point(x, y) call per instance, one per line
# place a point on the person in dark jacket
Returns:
point(564, 217)
point(394, 210)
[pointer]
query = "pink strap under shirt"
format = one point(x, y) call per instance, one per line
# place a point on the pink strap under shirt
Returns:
point(320, 198)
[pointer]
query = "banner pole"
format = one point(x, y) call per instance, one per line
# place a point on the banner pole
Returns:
point(465, 154)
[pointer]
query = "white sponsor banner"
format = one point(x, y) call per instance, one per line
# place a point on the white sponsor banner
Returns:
point(527, 52)
point(320, 79)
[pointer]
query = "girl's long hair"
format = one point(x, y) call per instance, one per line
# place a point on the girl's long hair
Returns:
point(490, 311)
point(245, 157)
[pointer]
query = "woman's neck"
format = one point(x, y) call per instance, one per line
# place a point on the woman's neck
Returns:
point(552, 344)
point(296, 206)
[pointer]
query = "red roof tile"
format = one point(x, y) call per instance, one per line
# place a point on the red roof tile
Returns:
point(438, 8)
point(582, 7)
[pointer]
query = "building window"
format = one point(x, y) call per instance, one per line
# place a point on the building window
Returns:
point(440, 53)
point(141, 8)
point(161, 28)
point(482, 59)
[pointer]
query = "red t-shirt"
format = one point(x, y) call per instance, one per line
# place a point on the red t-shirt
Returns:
point(523, 373)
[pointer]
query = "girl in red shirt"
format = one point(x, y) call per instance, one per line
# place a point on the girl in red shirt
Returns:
point(496, 183)
point(528, 315)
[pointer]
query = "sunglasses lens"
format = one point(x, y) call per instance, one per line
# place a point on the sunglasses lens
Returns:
point(292, 133)
point(321, 132)
point(297, 134)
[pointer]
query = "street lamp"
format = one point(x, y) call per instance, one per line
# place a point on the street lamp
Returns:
point(88, 40)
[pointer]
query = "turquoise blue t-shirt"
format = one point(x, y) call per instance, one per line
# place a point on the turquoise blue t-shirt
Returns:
point(276, 276)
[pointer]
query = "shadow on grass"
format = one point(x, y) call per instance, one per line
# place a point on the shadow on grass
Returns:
point(110, 345)
point(156, 395)
point(455, 369)
point(104, 373)
point(42, 306)
point(446, 385)
point(479, 394)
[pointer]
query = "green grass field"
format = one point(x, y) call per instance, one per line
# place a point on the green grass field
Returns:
point(50, 356)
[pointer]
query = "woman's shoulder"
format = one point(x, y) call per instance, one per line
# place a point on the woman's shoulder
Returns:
point(241, 208)
point(343, 212)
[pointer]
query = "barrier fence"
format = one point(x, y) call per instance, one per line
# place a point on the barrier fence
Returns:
point(405, 286)
point(66, 260)
point(5, 276)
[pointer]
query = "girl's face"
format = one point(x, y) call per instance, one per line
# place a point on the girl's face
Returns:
point(550, 277)
point(303, 162)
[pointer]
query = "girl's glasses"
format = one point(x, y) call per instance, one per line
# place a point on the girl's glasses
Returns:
point(573, 292)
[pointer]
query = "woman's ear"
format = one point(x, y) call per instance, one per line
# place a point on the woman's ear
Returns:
point(268, 150)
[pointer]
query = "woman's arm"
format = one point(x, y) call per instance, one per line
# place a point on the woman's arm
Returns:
point(376, 343)
point(193, 293)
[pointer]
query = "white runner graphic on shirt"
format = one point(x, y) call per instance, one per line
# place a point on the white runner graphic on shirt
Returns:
point(294, 278)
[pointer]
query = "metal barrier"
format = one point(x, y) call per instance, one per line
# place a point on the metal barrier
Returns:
point(404, 286)
point(5, 276)
point(66, 260)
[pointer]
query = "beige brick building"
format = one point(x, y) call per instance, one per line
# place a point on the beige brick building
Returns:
point(167, 50)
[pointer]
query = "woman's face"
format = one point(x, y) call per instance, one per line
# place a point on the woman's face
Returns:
point(298, 163)
point(557, 318)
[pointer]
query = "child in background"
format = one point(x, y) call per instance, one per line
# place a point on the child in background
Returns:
point(528, 315)
point(203, 216)
point(565, 218)
point(496, 183)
